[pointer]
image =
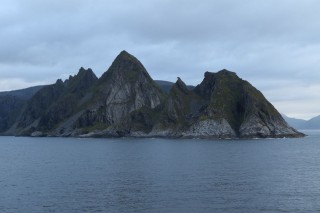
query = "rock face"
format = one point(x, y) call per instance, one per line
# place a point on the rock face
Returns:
point(243, 106)
point(124, 89)
point(54, 103)
point(167, 85)
point(11, 105)
point(125, 101)
point(210, 127)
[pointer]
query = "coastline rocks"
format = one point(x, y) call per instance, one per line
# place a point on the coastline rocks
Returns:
point(208, 128)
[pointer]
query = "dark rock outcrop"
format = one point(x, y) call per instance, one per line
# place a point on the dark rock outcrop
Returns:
point(12, 104)
point(125, 101)
point(124, 88)
point(167, 85)
point(10, 107)
point(54, 103)
point(244, 107)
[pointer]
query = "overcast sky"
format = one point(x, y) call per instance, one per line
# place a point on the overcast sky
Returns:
point(273, 44)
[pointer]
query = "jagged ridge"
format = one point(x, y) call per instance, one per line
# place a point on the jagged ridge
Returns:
point(126, 101)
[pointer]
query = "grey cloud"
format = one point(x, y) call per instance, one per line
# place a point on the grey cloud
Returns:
point(273, 44)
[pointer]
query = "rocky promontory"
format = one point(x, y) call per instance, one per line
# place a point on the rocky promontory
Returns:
point(126, 102)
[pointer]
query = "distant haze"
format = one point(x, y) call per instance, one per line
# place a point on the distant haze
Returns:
point(273, 44)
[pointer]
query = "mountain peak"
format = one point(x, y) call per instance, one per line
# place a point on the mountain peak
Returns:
point(86, 73)
point(226, 72)
point(81, 81)
point(59, 82)
point(181, 86)
point(125, 56)
point(127, 66)
point(81, 69)
point(223, 72)
point(124, 53)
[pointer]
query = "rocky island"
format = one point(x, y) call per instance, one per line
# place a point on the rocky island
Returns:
point(126, 102)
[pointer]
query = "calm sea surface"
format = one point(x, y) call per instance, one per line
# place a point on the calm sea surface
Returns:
point(159, 175)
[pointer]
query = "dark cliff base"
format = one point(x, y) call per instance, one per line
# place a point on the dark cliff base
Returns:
point(213, 137)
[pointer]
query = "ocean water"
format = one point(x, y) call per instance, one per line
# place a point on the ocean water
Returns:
point(159, 175)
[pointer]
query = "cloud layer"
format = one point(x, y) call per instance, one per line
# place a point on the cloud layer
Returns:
point(273, 44)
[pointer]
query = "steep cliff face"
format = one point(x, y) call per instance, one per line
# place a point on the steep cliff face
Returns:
point(124, 88)
point(243, 107)
point(178, 103)
point(261, 119)
point(225, 95)
point(70, 101)
point(54, 103)
point(12, 104)
point(10, 108)
point(128, 83)
point(125, 101)
point(38, 105)
point(182, 108)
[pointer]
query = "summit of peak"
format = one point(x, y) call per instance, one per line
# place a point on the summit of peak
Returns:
point(124, 55)
point(180, 85)
point(127, 66)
